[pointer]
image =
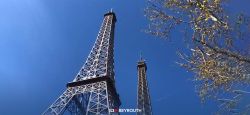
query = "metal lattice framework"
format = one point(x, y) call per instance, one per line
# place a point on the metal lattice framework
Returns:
point(143, 96)
point(93, 91)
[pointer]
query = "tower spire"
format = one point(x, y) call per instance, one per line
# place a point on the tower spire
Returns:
point(140, 56)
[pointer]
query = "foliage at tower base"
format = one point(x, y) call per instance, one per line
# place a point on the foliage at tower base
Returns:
point(218, 43)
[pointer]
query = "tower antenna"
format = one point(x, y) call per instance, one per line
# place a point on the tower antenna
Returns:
point(140, 55)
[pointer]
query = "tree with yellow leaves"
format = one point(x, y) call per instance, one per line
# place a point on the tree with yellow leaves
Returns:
point(217, 41)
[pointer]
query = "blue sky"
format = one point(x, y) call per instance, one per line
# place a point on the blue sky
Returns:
point(44, 43)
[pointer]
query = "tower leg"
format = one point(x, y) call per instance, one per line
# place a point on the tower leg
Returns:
point(98, 99)
point(89, 99)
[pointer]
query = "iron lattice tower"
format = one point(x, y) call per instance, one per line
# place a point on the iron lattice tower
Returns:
point(93, 91)
point(143, 96)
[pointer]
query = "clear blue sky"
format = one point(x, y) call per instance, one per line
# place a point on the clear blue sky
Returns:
point(44, 43)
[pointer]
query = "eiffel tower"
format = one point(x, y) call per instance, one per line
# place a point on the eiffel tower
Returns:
point(93, 91)
point(143, 96)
